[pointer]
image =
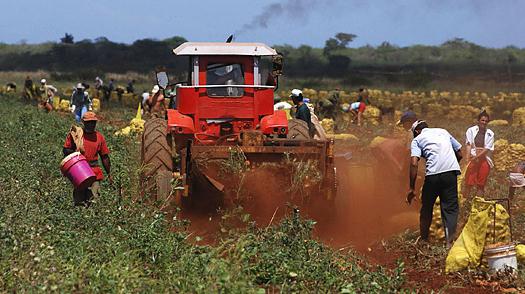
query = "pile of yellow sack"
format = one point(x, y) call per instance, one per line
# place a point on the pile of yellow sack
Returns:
point(129, 99)
point(310, 93)
point(467, 251)
point(136, 126)
point(322, 94)
point(505, 154)
point(328, 125)
point(462, 112)
point(372, 115)
point(498, 122)
point(435, 109)
point(518, 117)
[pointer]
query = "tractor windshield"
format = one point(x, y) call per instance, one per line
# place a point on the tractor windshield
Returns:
point(222, 74)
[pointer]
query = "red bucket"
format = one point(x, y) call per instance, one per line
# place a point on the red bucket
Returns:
point(76, 168)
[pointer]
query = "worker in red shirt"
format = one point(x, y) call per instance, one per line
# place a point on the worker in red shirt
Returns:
point(91, 144)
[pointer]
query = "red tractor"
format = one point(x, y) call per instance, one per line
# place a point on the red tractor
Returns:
point(226, 104)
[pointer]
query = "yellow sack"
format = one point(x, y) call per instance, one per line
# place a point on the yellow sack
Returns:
point(468, 249)
point(96, 104)
point(64, 105)
point(328, 125)
point(56, 102)
point(137, 124)
point(520, 253)
point(139, 112)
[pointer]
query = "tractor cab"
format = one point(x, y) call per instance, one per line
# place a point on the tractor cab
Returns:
point(230, 90)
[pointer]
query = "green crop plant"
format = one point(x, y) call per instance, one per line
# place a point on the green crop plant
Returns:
point(117, 245)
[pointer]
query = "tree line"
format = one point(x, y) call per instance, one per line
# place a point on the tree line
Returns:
point(417, 63)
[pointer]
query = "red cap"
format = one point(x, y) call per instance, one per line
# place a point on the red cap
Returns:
point(89, 116)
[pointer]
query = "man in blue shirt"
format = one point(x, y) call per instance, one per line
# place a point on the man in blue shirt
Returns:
point(442, 153)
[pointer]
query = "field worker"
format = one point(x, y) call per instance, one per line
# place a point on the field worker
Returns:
point(393, 152)
point(99, 83)
point(130, 87)
point(516, 179)
point(145, 97)
point(442, 153)
point(93, 145)
point(334, 99)
point(10, 87)
point(302, 111)
point(406, 121)
point(80, 102)
point(47, 92)
point(156, 102)
point(362, 98)
point(354, 108)
point(29, 89)
point(110, 88)
point(171, 91)
point(319, 132)
point(328, 107)
point(480, 144)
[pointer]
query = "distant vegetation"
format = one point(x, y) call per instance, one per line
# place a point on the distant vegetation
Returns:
point(412, 66)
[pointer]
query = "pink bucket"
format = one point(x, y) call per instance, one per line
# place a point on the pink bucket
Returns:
point(76, 168)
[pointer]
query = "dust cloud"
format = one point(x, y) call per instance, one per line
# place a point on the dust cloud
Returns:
point(369, 205)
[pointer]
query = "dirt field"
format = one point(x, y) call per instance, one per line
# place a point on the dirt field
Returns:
point(371, 219)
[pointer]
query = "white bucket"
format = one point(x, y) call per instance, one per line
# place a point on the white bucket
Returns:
point(501, 256)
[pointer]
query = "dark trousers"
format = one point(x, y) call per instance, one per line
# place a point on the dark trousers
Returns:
point(444, 186)
point(84, 197)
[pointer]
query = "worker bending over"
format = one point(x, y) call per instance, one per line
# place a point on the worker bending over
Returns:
point(516, 179)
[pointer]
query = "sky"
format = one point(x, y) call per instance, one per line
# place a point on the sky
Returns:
point(489, 23)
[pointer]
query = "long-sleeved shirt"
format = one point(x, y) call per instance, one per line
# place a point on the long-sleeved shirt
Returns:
point(303, 113)
point(80, 99)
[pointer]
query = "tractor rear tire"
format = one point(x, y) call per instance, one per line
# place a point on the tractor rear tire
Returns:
point(157, 161)
point(298, 130)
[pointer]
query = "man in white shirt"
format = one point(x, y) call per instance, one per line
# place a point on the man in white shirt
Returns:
point(442, 153)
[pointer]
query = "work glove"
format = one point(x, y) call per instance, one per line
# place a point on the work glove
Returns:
point(72, 108)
